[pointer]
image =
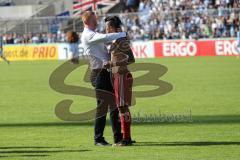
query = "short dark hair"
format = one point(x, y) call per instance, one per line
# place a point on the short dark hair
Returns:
point(114, 21)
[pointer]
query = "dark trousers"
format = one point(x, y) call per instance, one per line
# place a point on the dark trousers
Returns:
point(101, 80)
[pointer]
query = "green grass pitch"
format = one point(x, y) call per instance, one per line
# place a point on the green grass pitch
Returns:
point(209, 87)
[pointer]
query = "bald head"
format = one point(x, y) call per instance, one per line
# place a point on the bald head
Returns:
point(89, 20)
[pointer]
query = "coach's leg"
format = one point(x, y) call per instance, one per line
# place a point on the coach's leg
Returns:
point(101, 111)
point(100, 122)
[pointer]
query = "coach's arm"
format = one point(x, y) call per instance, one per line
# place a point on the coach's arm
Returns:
point(104, 38)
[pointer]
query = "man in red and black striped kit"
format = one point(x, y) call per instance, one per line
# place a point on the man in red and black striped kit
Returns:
point(121, 56)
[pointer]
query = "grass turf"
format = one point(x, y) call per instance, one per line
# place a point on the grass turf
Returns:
point(207, 86)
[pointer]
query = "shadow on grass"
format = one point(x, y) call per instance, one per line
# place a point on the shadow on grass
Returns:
point(6, 152)
point(186, 143)
point(33, 151)
point(40, 151)
point(205, 119)
point(30, 156)
point(30, 147)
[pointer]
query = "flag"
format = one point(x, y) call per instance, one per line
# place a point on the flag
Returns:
point(80, 6)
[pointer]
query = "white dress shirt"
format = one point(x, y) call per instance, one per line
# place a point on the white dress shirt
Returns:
point(74, 49)
point(94, 46)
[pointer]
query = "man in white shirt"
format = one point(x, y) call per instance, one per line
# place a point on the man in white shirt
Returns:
point(94, 46)
point(73, 41)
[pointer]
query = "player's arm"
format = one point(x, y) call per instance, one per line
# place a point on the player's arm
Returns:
point(126, 49)
point(130, 60)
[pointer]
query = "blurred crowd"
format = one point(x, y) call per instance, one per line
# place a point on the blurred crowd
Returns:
point(163, 19)
point(177, 5)
point(34, 38)
point(6, 2)
point(181, 19)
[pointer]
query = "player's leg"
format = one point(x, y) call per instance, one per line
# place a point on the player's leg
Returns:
point(125, 117)
point(116, 125)
point(5, 59)
point(123, 94)
point(114, 113)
